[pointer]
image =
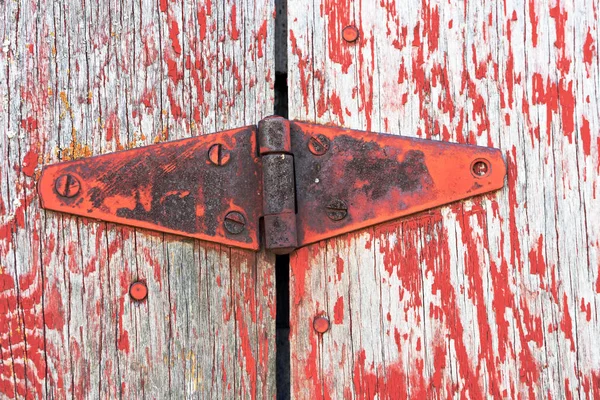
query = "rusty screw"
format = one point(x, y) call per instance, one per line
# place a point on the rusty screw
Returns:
point(350, 33)
point(318, 145)
point(321, 324)
point(218, 154)
point(337, 210)
point(480, 168)
point(67, 185)
point(138, 291)
point(235, 222)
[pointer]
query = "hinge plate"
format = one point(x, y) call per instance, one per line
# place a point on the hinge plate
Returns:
point(211, 187)
point(170, 187)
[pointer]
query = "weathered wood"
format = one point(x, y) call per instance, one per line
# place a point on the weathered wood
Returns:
point(496, 296)
point(82, 78)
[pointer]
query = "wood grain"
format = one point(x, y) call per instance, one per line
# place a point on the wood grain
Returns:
point(84, 78)
point(492, 297)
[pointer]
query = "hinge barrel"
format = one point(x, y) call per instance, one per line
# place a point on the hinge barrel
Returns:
point(279, 194)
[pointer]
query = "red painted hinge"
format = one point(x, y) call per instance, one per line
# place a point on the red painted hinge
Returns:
point(302, 182)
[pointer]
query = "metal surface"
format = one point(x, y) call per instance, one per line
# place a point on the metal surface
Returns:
point(138, 291)
point(169, 187)
point(319, 182)
point(321, 324)
point(350, 33)
point(380, 177)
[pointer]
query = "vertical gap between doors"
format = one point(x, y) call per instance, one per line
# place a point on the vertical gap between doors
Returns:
point(282, 263)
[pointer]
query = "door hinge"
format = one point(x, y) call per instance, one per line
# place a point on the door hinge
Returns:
point(302, 182)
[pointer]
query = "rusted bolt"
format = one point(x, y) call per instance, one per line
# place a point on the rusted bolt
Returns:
point(321, 324)
point(350, 33)
point(480, 168)
point(138, 291)
point(235, 222)
point(218, 154)
point(67, 185)
point(318, 145)
point(337, 210)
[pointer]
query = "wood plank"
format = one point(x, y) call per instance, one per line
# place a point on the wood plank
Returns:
point(494, 296)
point(84, 78)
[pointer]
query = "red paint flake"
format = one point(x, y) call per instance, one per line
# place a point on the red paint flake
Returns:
point(586, 309)
point(563, 63)
point(515, 244)
point(30, 124)
point(123, 341)
point(339, 268)
point(439, 363)
point(53, 309)
point(536, 259)
point(235, 34)
point(175, 108)
point(365, 381)
point(335, 106)
point(201, 15)
point(261, 37)
point(566, 325)
point(534, 22)
point(589, 49)
point(173, 34)
point(338, 17)
point(568, 394)
point(302, 65)
point(172, 70)
point(431, 26)
point(112, 126)
point(163, 5)
point(586, 138)
point(299, 263)
point(338, 311)
point(559, 19)
point(30, 162)
point(567, 105)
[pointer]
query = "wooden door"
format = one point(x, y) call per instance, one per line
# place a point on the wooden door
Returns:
point(80, 78)
point(496, 296)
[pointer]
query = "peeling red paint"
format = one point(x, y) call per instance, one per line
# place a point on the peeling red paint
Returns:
point(234, 32)
point(30, 162)
point(338, 311)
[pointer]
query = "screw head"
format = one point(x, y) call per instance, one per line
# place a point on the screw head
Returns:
point(234, 222)
point(138, 291)
point(321, 324)
point(218, 154)
point(318, 145)
point(350, 33)
point(480, 168)
point(337, 210)
point(67, 185)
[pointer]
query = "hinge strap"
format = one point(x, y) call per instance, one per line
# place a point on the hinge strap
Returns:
point(279, 194)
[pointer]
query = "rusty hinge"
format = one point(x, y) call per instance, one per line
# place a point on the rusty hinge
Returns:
point(303, 182)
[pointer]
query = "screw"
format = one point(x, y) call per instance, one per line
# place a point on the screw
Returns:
point(318, 145)
point(321, 324)
point(234, 222)
point(67, 185)
point(218, 154)
point(350, 33)
point(337, 210)
point(480, 168)
point(138, 291)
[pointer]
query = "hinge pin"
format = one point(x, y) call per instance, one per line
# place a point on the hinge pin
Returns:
point(234, 222)
point(218, 154)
